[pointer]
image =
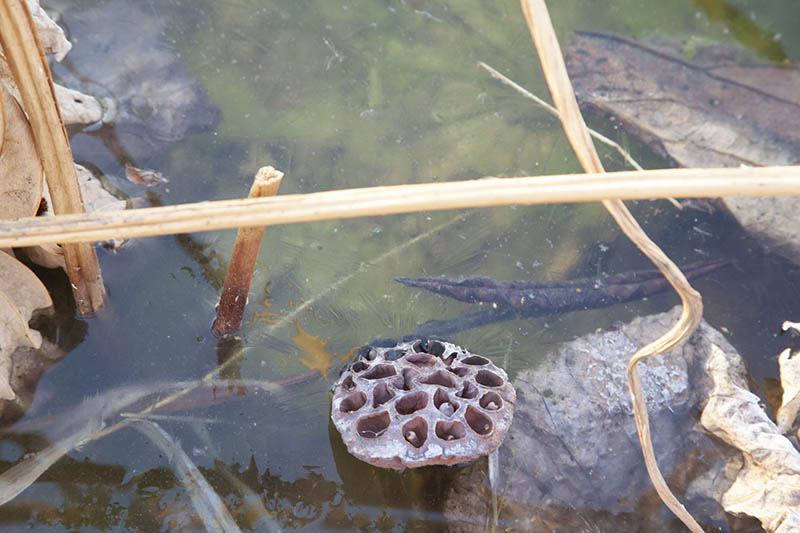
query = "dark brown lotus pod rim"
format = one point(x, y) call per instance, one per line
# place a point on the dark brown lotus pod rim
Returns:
point(422, 402)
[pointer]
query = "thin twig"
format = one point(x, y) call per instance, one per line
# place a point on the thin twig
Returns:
point(541, 28)
point(388, 200)
point(553, 111)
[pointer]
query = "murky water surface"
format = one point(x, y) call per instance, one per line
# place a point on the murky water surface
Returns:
point(340, 95)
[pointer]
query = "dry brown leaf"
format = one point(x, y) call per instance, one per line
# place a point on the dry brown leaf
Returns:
point(21, 293)
point(766, 478)
point(790, 383)
point(21, 174)
point(22, 287)
point(45, 255)
point(14, 332)
point(789, 365)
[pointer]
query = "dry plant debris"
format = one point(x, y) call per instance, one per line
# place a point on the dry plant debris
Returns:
point(555, 71)
point(789, 365)
point(243, 259)
point(21, 294)
point(20, 168)
point(27, 62)
point(419, 403)
point(765, 478)
point(21, 191)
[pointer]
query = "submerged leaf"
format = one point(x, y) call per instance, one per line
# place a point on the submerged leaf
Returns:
point(144, 176)
point(88, 420)
point(316, 356)
point(707, 112)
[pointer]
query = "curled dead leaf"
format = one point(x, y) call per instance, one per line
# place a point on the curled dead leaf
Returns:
point(789, 365)
point(21, 294)
point(23, 288)
point(21, 175)
point(45, 255)
point(790, 383)
point(763, 480)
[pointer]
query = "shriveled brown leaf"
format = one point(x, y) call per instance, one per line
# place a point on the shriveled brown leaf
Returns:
point(766, 477)
point(21, 293)
point(45, 255)
point(21, 174)
point(22, 287)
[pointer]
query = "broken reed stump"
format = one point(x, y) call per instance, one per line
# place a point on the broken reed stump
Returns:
point(28, 63)
point(243, 259)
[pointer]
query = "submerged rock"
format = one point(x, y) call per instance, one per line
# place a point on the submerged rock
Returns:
point(572, 459)
point(122, 55)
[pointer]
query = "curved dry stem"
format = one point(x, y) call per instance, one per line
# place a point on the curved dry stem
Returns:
point(555, 71)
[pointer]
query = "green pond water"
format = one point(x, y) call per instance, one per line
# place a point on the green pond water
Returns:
point(355, 94)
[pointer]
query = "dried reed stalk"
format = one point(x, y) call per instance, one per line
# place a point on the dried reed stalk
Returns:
point(243, 259)
point(373, 201)
point(538, 20)
point(28, 64)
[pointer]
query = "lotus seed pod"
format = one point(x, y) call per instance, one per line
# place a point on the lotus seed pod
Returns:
point(421, 402)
